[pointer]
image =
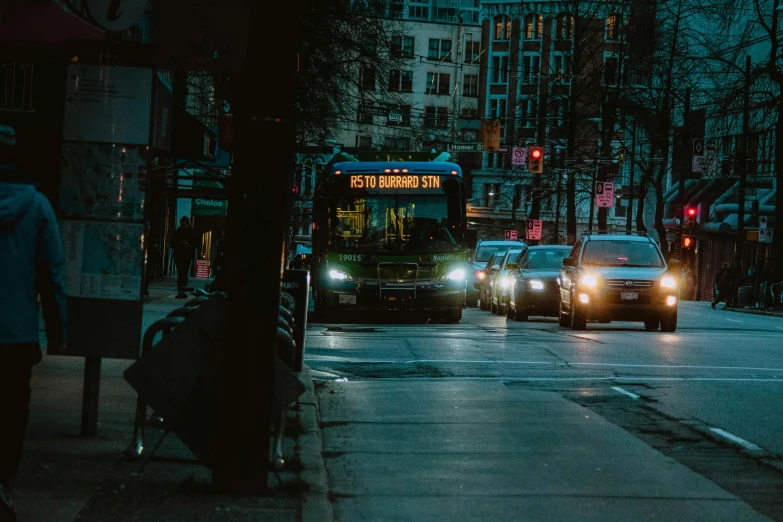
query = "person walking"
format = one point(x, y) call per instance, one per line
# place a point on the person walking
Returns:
point(722, 284)
point(184, 242)
point(31, 265)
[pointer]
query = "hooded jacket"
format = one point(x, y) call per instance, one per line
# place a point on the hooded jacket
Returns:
point(31, 263)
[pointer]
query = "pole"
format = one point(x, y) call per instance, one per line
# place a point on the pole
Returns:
point(592, 201)
point(743, 171)
point(684, 172)
point(259, 194)
point(90, 396)
point(629, 216)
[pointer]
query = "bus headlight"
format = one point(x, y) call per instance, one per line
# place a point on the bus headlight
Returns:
point(535, 284)
point(589, 280)
point(339, 275)
point(668, 282)
point(455, 275)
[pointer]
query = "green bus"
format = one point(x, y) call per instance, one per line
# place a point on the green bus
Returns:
point(390, 234)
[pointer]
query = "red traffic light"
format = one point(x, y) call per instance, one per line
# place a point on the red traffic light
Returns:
point(294, 190)
point(690, 212)
point(535, 153)
point(687, 242)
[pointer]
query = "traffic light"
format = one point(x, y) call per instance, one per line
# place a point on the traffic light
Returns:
point(687, 242)
point(689, 217)
point(535, 159)
point(295, 190)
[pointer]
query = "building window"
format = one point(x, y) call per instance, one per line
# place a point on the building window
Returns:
point(472, 51)
point(470, 85)
point(528, 112)
point(402, 47)
point(419, 12)
point(394, 143)
point(564, 26)
point(502, 28)
point(435, 117)
point(491, 193)
point(611, 72)
point(500, 69)
point(363, 117)
point(401, 81)
point(534, 26)
point(439, 50)
point(364, 142)
point(562, 68)
point(497, 111)
point(531, 68)
point(613, 22)
point(367, 79)
point(438, 83)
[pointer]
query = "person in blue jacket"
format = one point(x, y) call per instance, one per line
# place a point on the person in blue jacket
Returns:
point(31, 265)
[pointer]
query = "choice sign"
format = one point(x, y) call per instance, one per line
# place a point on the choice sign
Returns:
point(210, 207)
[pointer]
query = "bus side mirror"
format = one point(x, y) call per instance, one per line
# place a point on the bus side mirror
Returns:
point(471, 238)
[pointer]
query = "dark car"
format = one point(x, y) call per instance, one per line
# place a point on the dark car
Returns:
point(613, 277)
point(535, 288)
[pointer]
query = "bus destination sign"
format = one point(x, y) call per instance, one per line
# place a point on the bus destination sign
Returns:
point(393, 181)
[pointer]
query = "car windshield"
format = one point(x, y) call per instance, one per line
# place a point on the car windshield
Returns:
point(511, 257)
point(484, 252)
point(622, 253)
point(545, 258)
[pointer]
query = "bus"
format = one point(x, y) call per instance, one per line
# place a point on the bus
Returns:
point(391, 235)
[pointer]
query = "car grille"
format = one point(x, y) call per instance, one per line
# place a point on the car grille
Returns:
point(629, 283)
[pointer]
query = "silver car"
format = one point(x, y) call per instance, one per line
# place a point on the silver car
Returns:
point(484, 250)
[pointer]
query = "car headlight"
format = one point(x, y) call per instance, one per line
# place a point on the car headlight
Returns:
point(339, 275)
point(535, 284)
point(506, 282)
point(668, 282)
point(480, 275)
point(589, 280)
point(455, 275)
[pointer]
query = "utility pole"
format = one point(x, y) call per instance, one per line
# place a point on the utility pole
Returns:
point(685, 169)
point(742, 158)
point(263, 116)
point(629, 215)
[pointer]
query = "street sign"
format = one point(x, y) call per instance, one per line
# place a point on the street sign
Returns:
point(395, 116)
point(466, 147)
point(604, 194)
point(519, 156)
point(373, 110)
point(533, 230)
point(706, 160)
point(511, 235)
point(202, 268)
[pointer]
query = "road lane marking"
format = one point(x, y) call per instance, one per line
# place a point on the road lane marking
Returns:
point(566, 379)
point(625, 392)
point(735, 320)
point(733, 438)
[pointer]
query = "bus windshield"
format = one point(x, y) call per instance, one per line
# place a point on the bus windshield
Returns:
point(396, 223)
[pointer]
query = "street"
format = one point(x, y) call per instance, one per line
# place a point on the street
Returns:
point(707, 396)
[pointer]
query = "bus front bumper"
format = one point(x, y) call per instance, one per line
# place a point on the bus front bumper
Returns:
point(368, 296)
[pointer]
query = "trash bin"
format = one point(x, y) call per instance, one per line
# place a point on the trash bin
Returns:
point(745, 296)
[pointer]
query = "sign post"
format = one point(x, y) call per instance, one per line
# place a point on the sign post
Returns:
point(511, 235)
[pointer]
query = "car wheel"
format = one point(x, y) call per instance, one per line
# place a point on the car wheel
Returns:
point(651, 324)
point(669, 322)
point(510, 312)
point(578, 320)
point(562, 317)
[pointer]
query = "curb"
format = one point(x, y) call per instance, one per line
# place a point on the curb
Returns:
point(316, 506)
point(753, 311)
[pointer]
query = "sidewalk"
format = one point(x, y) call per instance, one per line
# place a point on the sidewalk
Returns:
point(65, 477)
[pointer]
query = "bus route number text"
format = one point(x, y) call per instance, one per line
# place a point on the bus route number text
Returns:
point(359, 181)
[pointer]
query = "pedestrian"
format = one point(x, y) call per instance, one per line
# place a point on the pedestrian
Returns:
point(31, 265)
point(184, 242)
point(722, 284)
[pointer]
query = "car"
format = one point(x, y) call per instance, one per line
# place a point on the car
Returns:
point(484, 277)
point(618, 277)
point(481, 254)
point(501, 283)
point(534, 282)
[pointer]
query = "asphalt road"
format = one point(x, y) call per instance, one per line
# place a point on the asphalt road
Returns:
point(721, 371)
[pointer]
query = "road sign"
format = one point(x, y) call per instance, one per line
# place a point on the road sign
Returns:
point(762, 221)
point(511, 235)
point(706, 161)
point(519, 156)
point(466, 147)
point(604, 194)
point(533, 230)
point(395, 116)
